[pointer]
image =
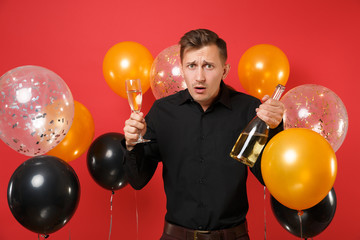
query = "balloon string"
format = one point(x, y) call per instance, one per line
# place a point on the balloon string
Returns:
point(136, 215)
point(111, 200)
point(264, 213)
point(300, 213)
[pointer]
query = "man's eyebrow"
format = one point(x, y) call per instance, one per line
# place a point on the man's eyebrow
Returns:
point(207, 62)
point(193, 62)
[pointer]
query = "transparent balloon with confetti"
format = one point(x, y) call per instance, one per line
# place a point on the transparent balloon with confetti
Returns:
point(165, 74)
point(317, 108)
point(36, 109)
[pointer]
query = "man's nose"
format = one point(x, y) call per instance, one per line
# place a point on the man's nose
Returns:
point(200, 75)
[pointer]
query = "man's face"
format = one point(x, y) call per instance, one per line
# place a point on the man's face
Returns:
point(203, 70)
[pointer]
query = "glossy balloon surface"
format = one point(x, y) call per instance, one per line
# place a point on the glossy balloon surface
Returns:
point(313, 220)
point(127, 60)
point(105, 161)
point(43, 194)
point(261, 68)
point(299, 168)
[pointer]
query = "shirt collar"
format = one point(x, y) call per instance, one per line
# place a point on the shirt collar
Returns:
point(223, 97)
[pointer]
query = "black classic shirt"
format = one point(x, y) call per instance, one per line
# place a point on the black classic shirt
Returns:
point(204, 186)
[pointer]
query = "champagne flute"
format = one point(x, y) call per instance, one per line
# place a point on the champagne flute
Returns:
point(134, 93)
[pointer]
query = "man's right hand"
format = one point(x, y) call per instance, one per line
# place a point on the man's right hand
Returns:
point(133, 127)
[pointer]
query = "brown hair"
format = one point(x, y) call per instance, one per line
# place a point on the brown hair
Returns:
point(199, 38)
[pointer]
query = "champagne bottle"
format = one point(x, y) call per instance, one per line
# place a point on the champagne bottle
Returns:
point(253, 138)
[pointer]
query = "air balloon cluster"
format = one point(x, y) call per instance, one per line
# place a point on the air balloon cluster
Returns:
point(299, 164)
point(39, 118)
point(38, 115)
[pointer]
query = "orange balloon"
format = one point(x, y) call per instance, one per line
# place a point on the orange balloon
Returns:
point(261, 68)
point(79, 137)
point(299, 168)
point(127, 60)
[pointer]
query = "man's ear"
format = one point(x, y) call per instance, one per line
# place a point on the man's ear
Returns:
point(226, 71)
point(181, 70)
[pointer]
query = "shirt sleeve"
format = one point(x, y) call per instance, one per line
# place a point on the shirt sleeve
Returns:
point(139, 170)
point(141, 162)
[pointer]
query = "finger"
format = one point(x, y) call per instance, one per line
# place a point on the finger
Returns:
point(137, 116)
point(138, 123)
point(130, 129)
point(130, 134)
point(131, 138)
point(265, 98)
point(272, 102)
point(272, 106)
point(272, 119)
point(130, 141)
point(271, 112)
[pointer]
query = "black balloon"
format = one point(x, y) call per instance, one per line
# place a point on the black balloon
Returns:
point(43, 194)
point(105, 161)
point(314, 220)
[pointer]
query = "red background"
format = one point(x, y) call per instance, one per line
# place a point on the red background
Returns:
point(320, 38)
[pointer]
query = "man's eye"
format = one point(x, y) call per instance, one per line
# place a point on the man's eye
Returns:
point(191, 66)
point(209, 66)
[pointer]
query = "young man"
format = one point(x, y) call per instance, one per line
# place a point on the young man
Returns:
point(192, 133)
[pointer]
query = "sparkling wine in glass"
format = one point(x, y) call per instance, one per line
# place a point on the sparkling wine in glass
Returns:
point(134, 93)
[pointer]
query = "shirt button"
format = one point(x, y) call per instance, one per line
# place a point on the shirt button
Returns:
point(201, 159)
point(202, 180)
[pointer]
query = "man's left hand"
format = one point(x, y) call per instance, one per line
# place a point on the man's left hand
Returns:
point(271, 111)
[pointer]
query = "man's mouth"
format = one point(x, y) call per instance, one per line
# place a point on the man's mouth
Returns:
point(199, 89)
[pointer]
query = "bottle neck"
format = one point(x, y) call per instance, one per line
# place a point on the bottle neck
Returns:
point(278, 92)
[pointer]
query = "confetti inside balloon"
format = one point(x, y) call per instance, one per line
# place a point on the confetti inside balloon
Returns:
point(79, 136)
point(36, 109)
point(319, 109)
point(165, 74)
